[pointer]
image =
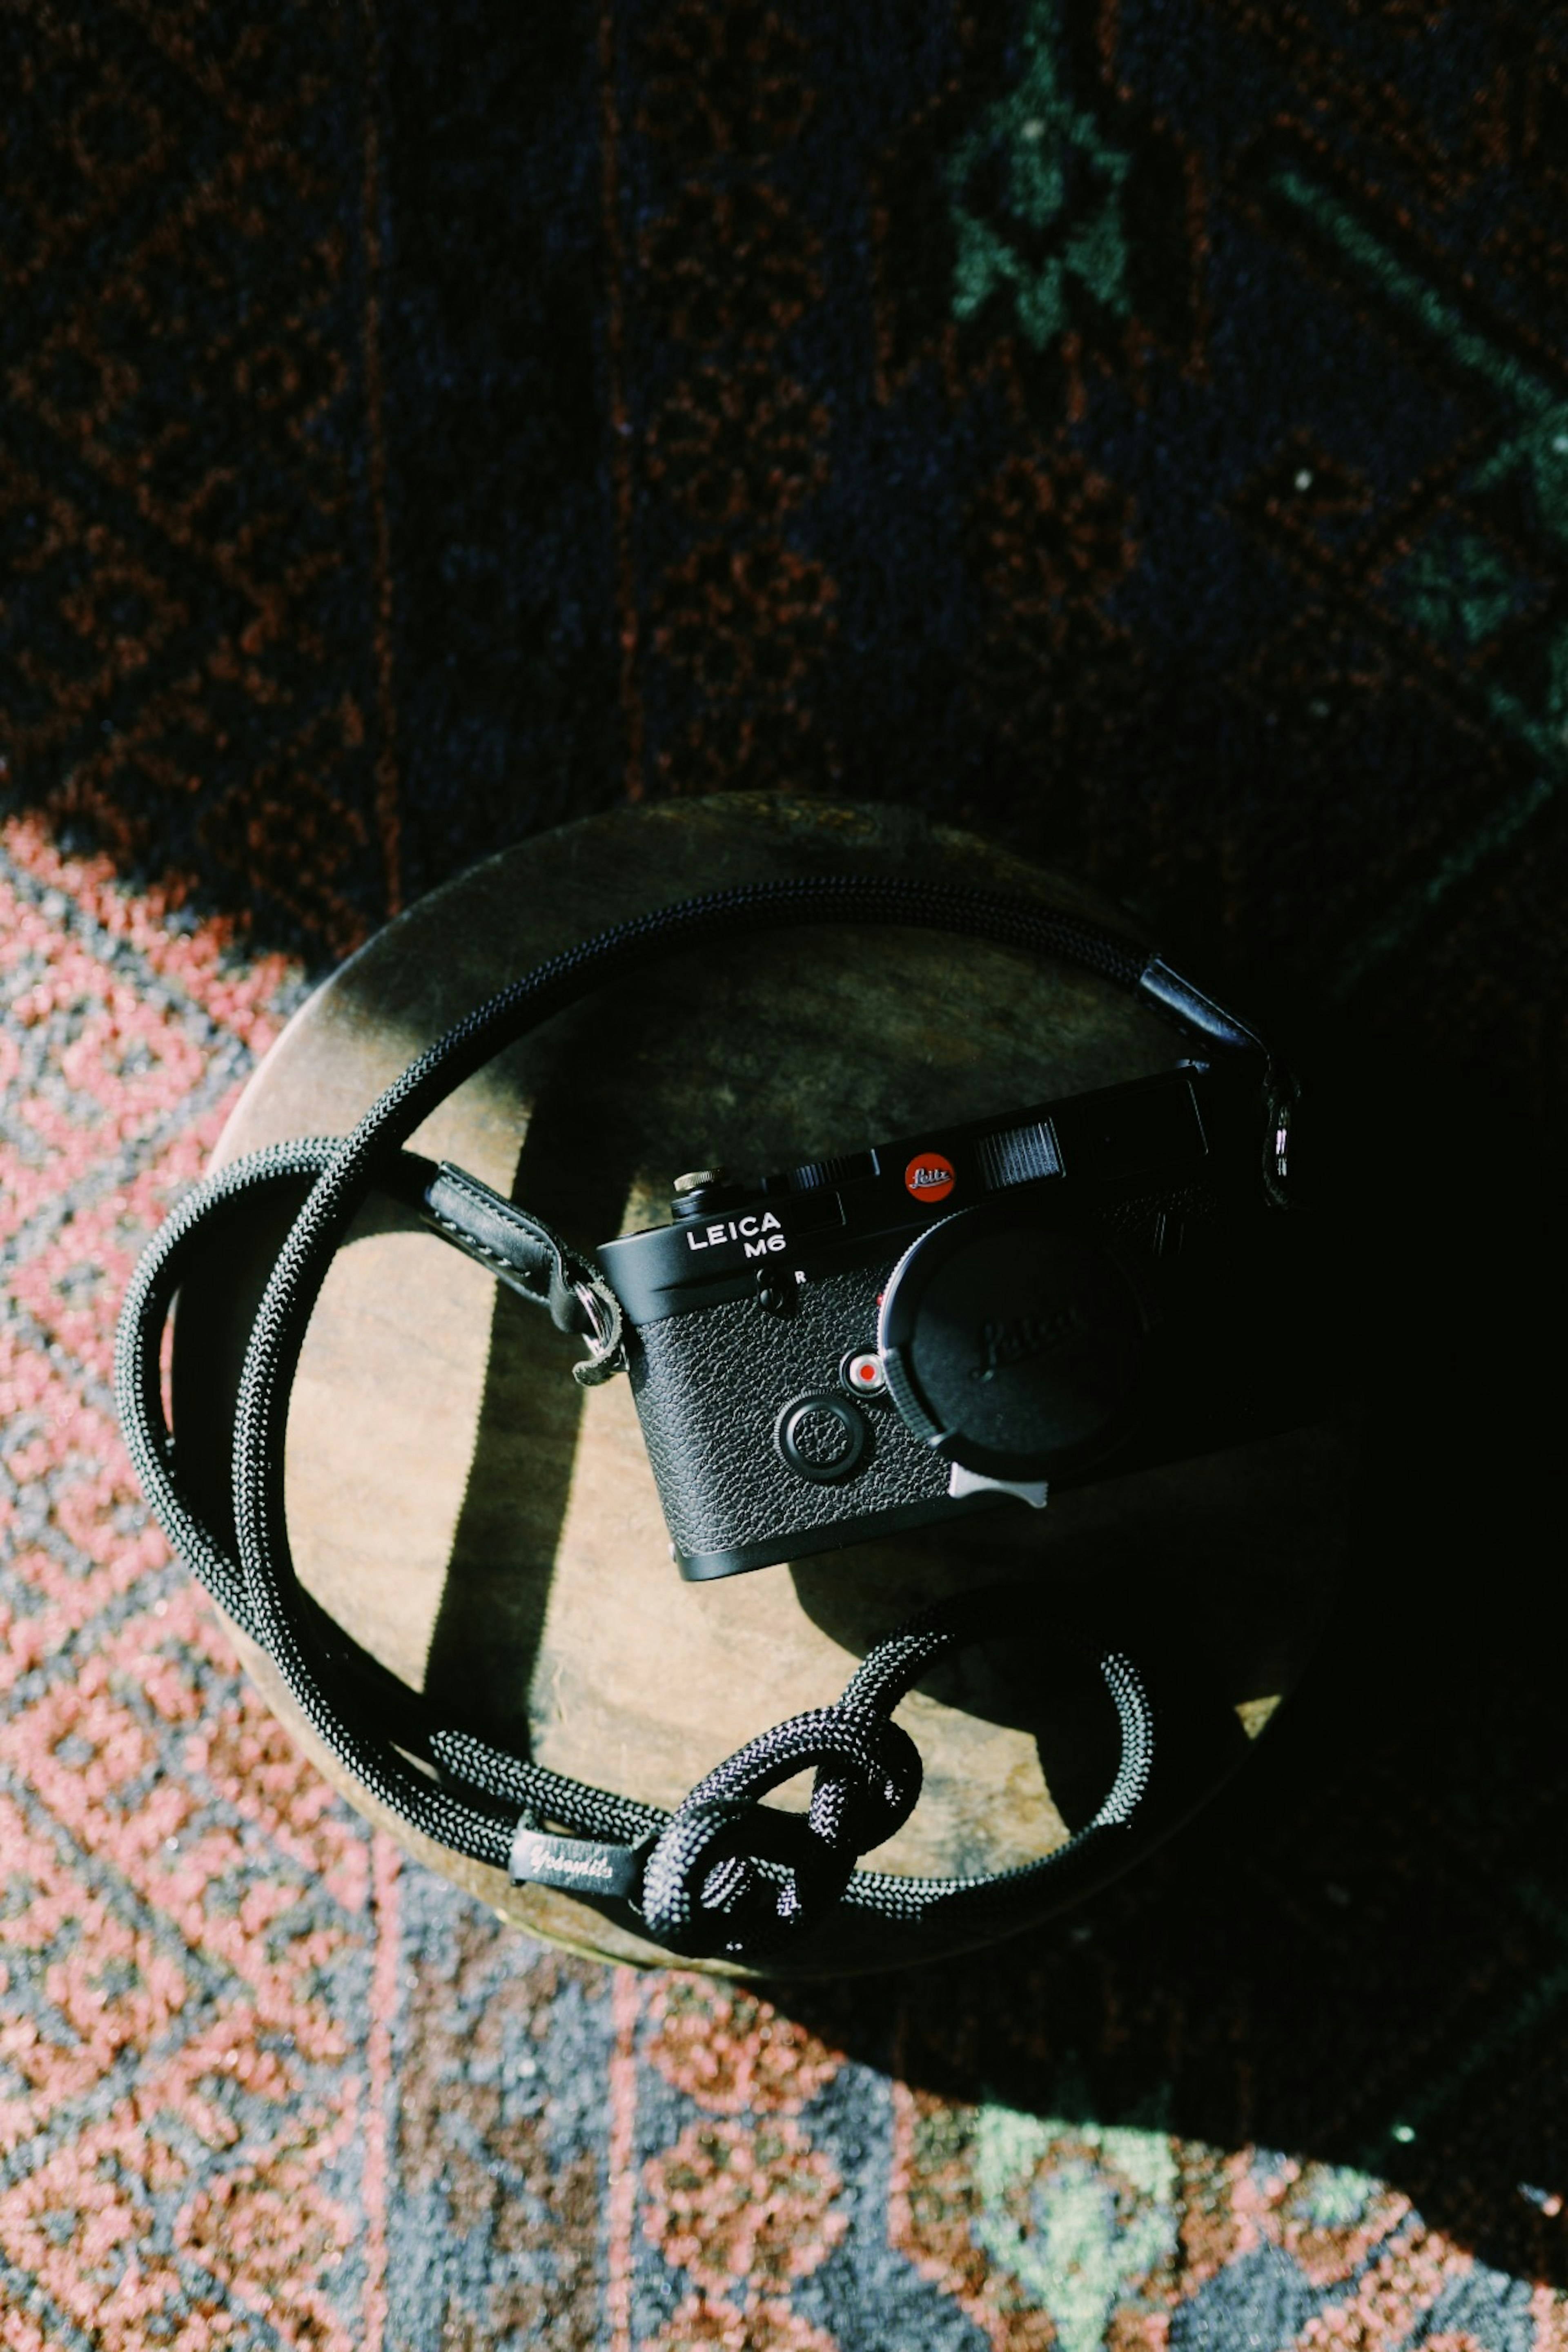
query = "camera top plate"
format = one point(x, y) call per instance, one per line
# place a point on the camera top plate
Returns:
point(1192, 1126)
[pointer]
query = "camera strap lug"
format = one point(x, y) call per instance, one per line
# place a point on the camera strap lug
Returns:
point(522, 1250)
point(1179, 999)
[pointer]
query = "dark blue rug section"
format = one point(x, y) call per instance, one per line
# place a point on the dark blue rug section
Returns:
point(1135, 427)
point(501, 609)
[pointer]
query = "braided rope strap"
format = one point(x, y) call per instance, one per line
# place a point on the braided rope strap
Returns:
point(724, 1874)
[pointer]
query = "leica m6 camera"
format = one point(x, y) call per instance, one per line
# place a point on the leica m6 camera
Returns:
point(966, 1316)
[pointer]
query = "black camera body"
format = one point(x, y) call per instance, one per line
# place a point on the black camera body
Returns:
point(964, 1316)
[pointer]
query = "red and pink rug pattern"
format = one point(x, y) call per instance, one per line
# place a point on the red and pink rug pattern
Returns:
point(263, 2083)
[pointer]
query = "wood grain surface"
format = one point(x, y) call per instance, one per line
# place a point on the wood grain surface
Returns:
point(492, 1532)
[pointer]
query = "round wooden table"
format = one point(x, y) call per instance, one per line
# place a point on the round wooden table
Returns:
point(491, 1531)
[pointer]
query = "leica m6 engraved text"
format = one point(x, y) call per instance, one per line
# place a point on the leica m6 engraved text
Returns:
point(759, 1235)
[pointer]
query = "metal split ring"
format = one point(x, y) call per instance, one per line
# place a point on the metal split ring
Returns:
point(605, 1335)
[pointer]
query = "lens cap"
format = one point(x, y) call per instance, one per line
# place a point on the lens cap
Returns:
point(1015, 1342)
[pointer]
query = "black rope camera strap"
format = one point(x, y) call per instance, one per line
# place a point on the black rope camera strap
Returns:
point(723, 1875)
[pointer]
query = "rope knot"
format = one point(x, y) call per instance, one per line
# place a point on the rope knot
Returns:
point(731, 1874)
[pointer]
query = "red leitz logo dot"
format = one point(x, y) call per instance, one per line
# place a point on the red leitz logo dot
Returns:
point(929, 1177)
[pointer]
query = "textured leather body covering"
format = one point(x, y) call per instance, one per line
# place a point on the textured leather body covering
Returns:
point(709, 1388)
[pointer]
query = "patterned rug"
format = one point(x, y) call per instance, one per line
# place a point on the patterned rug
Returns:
point(1300, 2082)
point(1138, 430)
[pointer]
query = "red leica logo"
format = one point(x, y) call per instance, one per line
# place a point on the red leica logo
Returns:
point(929, 1177)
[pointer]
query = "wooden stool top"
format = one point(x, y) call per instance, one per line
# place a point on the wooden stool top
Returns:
point(491, 1531)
